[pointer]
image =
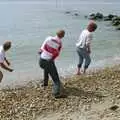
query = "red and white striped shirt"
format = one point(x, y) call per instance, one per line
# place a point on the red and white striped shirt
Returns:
point(51, 48)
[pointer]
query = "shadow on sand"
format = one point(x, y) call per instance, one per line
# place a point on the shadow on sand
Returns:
point(73, 91)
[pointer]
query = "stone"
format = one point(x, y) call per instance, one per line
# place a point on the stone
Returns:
point(114, 107)
point(118, 27)
point(67, 12)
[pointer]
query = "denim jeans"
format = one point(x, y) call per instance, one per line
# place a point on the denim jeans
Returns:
point(50, 69)
point(83, 55)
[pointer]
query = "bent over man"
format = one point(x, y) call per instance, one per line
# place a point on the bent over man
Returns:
point(49, 51)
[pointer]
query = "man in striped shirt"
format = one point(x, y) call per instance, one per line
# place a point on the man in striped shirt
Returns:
point(49, 51)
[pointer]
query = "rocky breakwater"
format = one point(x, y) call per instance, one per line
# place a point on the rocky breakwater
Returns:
point(114, 19)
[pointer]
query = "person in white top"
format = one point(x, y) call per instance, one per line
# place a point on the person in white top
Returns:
point(49, 51)
point(3, 60)
point(84, 46)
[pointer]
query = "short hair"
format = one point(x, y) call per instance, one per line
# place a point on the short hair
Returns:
point(93, 25)
point(60, 33)
point(7, 45)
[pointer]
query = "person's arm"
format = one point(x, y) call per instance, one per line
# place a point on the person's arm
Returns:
point(89, 48)
point(5, 67)
point(79, 41)
point(88, 43)
point(42, 47)
point(56, 54)
point(8, 63)
point(39, 51)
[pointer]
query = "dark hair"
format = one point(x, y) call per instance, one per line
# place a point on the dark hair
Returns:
point(7, 45)
point(92, 26)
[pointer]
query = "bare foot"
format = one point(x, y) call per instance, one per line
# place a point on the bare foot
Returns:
point(78, 73)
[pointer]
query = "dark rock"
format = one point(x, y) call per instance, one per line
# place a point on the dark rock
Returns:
point(86, 16)
point(111, 16)
point(92, 16)
point(115, 18)
point(99, 15)
point(114, 107)
point(116, 23)
point(106, 18)
point(67, 12)
point(76, 14)
point(118, 27)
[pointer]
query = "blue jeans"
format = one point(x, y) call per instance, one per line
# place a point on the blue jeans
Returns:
point(83, 55)
point(50, 69)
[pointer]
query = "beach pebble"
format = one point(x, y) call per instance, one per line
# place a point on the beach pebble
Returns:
point(114, 107)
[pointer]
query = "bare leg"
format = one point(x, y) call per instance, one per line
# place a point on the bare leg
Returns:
point(84, 71)
point(87, 62)
point(80, 55)
point(78, 71)
point(1, 76)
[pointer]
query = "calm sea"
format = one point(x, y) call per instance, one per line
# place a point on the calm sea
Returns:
point(28, 23)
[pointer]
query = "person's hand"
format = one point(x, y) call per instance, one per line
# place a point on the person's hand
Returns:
point(39, 52)
point(8, 63)
point(89, 52)
point(10, 70)
point(56, 53)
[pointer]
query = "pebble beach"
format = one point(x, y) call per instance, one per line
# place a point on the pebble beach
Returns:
point(94, 96)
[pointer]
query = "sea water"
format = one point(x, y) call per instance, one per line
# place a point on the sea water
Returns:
point(28, 23)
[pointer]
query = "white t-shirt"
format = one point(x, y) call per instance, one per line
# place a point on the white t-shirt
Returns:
point(2, 54)
point(85, 38)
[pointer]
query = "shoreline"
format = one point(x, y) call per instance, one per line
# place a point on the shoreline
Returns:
point(23, 80)
point(89, 98)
